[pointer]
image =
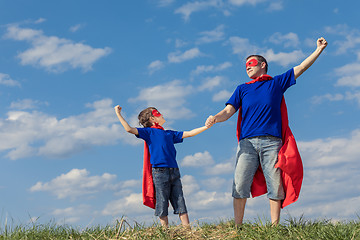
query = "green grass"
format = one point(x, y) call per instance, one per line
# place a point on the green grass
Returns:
point(290, 229)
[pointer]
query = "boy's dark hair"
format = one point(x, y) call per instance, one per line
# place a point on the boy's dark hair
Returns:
point(144, 116)
point(260, 59)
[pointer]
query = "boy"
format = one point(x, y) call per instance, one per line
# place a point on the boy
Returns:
point(165, 171)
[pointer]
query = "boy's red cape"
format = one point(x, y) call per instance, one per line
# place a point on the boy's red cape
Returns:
point(289, 160)
point(148, 189)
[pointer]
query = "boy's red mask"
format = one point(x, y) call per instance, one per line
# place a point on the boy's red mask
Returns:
point(156, 113)
point(252, 63)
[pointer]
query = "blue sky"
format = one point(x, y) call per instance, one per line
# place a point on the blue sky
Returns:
point(64, 65)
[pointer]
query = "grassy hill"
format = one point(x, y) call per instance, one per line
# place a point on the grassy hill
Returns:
point(291, 229)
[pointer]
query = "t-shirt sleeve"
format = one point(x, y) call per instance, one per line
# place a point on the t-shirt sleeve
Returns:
point(286, 79)
point(235, 99)
point(143, 133)
point(177, 136)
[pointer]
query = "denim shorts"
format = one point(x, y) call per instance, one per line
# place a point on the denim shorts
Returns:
point(168, 187)
point(251, 153)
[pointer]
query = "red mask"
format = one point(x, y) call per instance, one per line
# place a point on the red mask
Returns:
point(156, 113)
point(252, 63)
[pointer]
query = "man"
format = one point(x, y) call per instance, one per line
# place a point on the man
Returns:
point(261, 129)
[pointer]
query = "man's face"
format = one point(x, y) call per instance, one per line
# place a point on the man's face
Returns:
point(253, 68)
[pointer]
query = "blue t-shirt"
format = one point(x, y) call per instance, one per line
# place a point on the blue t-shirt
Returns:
point(161, 145)
point(260, 102)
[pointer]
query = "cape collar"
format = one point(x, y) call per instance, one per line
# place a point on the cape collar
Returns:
point(156, 125)
point(264, 77)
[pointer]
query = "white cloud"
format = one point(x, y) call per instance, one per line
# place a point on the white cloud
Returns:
point(76, 27)
point(180, 43)
point(26, 104)
point(221, 168)
point(205, 200)
point(191, 7)
point(155, 66)
point(288, 40)
point(282, 58)
point(327, 97)
point(40, 20)
point(242, 46)
point(211, 68)
point(164, 3)
point(217, 183)
point(355, 96)
point(339, 209)
point(54, 53)
point(349, 75)
point(211, 82)
point(351, 37)
point(276, 6)
point(76, 183)
point(348, 96)
point(178, 57)
point(331, 151)
point(123, 206)
point(199, 199)
point(198, 160)
point(72, 214)
point(27, 134)
point(7, 81)
point(169, 98)
point(190, 185)
point(243, 2)
point(212, 36)
point(221, 96)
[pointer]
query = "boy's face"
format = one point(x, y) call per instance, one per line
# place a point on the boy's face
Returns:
point(158, 117)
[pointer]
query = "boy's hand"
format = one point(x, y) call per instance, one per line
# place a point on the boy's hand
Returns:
point(117, 109)
point(210, 121)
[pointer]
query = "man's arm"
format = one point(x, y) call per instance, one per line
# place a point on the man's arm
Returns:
point(124, 123)
point(194, 132)
point(222, 116)
point(300, 69)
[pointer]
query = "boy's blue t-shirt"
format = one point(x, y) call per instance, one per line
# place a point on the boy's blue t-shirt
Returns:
point(161, 145)
point(260, 102)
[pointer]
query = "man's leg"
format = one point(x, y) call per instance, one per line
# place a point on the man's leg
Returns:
point(164, 221)
point(275, 207)
point(239, 209)
point(275, 191)
point(247, 162)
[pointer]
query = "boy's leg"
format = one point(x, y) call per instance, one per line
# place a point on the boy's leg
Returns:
point(177, 199)
point(239, 209)
point(164, 221)
point(275, 207)
point(162, 190)
point(184, 218)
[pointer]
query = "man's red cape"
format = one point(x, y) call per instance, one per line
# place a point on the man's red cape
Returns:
point(289, 160)
point(148, 189)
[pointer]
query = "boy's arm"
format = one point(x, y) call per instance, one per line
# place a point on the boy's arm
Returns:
point(194, 132)
point(300, 69)
point(123, 122)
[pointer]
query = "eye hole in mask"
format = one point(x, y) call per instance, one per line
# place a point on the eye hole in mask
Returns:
point(252, 63)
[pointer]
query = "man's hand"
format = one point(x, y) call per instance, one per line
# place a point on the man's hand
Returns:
point(321, 43)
